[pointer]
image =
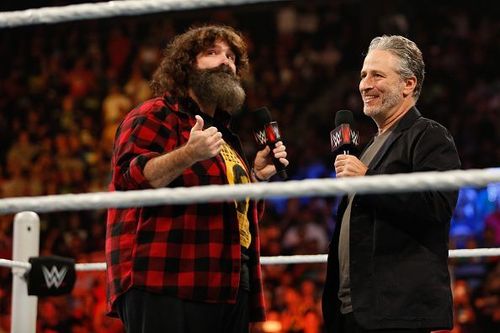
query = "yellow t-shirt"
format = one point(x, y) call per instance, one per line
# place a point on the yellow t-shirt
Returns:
point(237, 173)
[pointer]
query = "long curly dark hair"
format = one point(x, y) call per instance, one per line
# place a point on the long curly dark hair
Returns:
point(179, 57)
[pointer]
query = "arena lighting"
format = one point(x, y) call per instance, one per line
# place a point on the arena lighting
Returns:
point(271, 326)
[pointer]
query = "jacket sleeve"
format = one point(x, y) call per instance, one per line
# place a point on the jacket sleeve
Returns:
point(432, 149)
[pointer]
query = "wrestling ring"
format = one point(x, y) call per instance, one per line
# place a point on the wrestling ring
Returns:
point(26, 221)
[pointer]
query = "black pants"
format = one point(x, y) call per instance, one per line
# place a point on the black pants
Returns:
point(350, 325)
point(145, 312)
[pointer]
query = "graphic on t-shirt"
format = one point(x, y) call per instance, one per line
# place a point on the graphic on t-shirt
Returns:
point(237, 174)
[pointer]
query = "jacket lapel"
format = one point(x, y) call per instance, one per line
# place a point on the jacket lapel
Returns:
point(408, 119)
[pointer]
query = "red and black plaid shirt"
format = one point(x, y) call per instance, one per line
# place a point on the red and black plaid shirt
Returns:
point(188, 251)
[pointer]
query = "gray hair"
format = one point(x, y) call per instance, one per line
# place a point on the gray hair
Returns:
point(411, 62)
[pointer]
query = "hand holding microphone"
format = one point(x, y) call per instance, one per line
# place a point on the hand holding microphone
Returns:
point(344, 142)
point(268, 137)
point(349, 166)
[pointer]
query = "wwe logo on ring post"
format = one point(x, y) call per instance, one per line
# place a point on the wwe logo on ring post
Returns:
point(54, 277)
point(51, 276)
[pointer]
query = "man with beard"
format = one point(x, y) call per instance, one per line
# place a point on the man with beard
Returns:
point(387, 263)
point(195, 267)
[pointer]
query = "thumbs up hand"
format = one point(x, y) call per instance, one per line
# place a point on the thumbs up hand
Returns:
point(204, 144)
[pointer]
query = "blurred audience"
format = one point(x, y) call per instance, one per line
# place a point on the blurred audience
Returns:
point(65, 88)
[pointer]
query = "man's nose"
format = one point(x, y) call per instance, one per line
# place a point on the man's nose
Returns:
point(365, 84)
point(227, 61)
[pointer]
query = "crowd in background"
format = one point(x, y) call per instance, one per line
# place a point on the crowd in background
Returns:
point(64, 89)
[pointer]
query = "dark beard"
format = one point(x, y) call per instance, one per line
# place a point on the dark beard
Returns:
point(217, 87)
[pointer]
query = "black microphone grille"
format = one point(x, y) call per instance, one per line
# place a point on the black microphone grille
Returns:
point(344, 117)
point(262, 116)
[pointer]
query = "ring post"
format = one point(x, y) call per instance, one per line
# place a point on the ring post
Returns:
point(26, 244)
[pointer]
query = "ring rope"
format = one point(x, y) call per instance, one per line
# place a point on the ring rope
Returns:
point(87, 11)
point(14, 264)
point(275, 260)
point(413, 182)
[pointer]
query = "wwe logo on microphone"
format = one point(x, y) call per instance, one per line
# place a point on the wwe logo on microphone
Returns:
point(343, 136)
point(54, 277)
point(355, 138)
point(269, 134)
point(260, 137)
point(335, 140)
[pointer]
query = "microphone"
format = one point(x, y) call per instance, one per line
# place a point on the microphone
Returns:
point(268, 133)
point(344, 138)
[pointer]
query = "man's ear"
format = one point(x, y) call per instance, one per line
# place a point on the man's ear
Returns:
point(410, 86)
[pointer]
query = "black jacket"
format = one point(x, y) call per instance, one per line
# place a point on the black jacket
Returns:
point(399, 242)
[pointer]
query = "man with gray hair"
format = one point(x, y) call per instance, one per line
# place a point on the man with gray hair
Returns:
point(387, 263)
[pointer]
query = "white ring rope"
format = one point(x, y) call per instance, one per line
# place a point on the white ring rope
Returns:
point(419, 181)
point(109, 9)
point(16, 264)
point(276, 260)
